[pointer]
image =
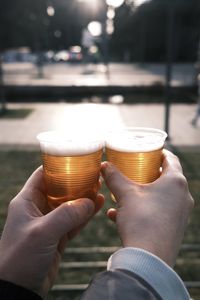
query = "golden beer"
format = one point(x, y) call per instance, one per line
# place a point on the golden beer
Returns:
point(137, 152)
point(71, 167)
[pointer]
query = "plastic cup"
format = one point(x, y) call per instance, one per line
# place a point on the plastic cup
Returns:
point(137, 152)
point(71, 163)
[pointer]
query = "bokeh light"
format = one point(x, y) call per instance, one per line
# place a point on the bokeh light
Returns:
point(140, 2)
point(114, 3)
point(50, 11)
point(95, 28)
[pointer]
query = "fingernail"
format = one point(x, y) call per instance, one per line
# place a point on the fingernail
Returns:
point(104, 166)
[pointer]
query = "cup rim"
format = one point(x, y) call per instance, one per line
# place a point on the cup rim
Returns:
point(59, 144)
point(59, 137)
point(135, 142)
point(139, 128)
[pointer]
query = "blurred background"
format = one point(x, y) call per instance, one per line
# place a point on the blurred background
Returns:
point(100, 64)
point(137, 29)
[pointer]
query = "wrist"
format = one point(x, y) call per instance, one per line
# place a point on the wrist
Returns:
point(159, 250)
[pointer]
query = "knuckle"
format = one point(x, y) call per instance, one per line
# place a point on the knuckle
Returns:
point(177, 158)
point(12, 205)
point(35, 232)
point(179, 180)
point(29, 193)
point(110, 175)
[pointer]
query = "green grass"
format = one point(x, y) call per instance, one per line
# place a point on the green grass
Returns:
point(19, 113)
point(16, 166)
point(191, 168)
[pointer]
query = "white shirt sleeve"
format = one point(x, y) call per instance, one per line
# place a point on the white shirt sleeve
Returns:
point(152, 269)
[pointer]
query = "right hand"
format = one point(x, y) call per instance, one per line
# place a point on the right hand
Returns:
point(151, 216)
point(34, 238)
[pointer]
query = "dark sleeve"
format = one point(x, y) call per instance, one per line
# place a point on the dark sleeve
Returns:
point(119, 285)
point(11, 291)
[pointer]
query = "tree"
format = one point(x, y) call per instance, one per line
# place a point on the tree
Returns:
point(143, 29)
point(140, 31)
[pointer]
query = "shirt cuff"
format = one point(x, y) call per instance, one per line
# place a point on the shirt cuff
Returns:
point(152, 269)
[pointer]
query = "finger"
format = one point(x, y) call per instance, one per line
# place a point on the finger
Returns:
point(62, 244)
point(99, 202)
point(117, 183)
point(34, 191)
point(36, 180)
point(100, 183)
point(112, 214)
point(171, 163)
point(67, 217)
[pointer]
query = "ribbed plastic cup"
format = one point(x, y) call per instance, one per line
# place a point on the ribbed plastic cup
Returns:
point(71, 164)
point(137, 152)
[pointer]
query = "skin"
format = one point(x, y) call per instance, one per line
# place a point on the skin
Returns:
point(152, 216)
point(34, 237)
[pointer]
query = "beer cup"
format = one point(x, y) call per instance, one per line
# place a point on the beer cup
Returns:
point(136, 152)
point(71, 165)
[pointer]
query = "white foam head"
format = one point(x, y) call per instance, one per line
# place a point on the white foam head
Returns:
point(136, 139)
point(72, 144)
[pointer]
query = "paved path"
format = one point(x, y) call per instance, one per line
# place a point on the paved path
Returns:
point(78, 75)
point(99, 117)
point(92, 115)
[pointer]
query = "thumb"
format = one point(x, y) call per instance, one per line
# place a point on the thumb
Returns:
point(67, 217)
point(118, 184)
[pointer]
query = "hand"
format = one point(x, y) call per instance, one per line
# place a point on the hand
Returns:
point(34, 237)
point(151, 216)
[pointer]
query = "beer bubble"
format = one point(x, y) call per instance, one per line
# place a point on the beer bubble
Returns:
point(138, 139)
point(72, 144)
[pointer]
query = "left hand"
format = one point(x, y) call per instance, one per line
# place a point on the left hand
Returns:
point(34, 237)
point(152, 216)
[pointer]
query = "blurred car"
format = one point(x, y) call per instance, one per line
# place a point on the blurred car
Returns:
point(61, 56)
point(74, 54)
point(48, 56)
point(22, 55)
